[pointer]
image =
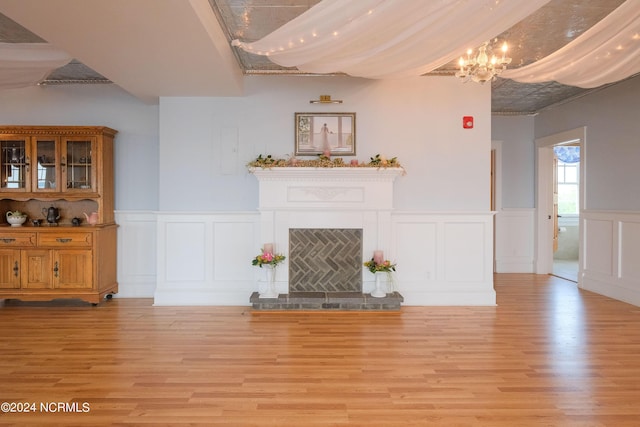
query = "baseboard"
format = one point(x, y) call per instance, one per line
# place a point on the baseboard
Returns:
point(611, 289)
point(515, 266)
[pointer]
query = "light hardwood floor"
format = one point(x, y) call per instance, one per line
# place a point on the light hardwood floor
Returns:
point(548, 355)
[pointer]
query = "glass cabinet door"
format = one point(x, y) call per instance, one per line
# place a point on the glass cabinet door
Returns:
point(14, 162)
point(78, 164)
point(47, 177)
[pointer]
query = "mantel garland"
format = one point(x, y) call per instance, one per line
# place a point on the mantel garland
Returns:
point(322, 161)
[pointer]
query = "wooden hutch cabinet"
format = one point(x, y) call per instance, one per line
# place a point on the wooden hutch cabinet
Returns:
point(66, 170)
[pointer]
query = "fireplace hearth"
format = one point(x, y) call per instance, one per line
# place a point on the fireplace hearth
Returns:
point(338, 301)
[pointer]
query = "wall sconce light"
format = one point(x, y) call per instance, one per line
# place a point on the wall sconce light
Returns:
point(325, 99)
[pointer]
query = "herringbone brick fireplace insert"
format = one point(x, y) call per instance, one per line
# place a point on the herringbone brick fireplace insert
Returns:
point(325, 260)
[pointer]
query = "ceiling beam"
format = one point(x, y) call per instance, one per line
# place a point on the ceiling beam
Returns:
point(150, 48)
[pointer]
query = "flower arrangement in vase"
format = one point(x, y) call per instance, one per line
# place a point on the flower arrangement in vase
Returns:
point(378, 266)
point(385, 266)
point(270, 261)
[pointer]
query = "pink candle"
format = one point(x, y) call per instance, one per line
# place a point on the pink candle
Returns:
point(327, 153)
point(354, 162)
point(378, 257)
point(268, 248)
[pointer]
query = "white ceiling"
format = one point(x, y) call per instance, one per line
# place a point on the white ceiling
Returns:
point(174, 50)
point(154, 48)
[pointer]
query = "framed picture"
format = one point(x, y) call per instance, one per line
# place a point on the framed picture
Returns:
point(317, 133)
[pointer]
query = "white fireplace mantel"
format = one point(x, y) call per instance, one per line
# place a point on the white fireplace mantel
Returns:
point(342, 197)
point(327, 188)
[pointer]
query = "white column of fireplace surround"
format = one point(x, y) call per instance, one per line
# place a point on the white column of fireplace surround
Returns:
point(300, 197)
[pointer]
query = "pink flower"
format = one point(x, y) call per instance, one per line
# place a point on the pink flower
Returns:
point(267, 256)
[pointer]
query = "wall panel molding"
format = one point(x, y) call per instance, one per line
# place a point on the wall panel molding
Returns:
point(612, 248)
point(444, 258)
point(515, 234)
point(136, 254)
point(205, 258)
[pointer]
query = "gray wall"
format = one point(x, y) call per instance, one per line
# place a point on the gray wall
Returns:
point(611, 157)
point(612, 149)
point(611, 115)
point(205, 143)
point(518, 159)
point(136, 146)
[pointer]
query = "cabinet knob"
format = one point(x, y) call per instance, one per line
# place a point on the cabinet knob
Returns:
point(55, 269)
point(7, 240)
point(63, 240)
point(16, 269)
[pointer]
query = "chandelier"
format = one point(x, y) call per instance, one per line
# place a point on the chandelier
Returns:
point(484, 66)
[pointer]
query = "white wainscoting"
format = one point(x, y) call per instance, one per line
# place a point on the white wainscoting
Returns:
point(136, 254)
point(611, 252)
point(205, 258)
point(515, 241)
point(444, 258)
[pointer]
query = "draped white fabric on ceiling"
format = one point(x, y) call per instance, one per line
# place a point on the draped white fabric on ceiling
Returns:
point(607, 52)
point(387, 38)
point(27, 64)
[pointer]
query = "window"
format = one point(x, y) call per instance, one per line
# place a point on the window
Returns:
point(568, 180)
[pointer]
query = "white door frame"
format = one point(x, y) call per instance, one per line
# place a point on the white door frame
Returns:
point(544, 206)
point(496, 148)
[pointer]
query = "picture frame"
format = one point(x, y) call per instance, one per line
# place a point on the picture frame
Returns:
point(325, 133)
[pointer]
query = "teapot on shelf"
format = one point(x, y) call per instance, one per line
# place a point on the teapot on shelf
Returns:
point(16, 218)
point(52, 214)
point(92, 218)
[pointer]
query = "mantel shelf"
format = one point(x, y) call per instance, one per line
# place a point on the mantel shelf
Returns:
point(327, 174)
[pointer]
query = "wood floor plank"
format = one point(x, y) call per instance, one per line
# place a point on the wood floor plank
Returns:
point(549, 354)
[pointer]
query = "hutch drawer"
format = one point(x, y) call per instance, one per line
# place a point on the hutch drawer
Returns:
point(65, 239)
point(17, 239)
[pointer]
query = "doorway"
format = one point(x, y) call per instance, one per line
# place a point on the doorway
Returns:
point(547, 223)
point(566, 193)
